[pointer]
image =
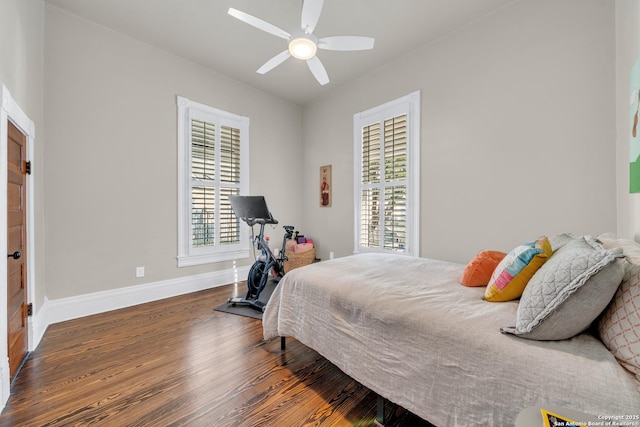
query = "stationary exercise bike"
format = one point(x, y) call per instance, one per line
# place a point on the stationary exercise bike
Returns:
point(253, 210)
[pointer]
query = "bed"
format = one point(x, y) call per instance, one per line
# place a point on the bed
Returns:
point(405, 328)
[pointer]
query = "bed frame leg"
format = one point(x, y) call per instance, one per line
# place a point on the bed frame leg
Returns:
point(380, 411)
point(283, 343)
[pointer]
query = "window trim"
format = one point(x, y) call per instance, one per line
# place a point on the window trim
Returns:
point(187, 254)
point(409, 105)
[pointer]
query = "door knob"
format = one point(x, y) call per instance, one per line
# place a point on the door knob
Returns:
point(14, 255)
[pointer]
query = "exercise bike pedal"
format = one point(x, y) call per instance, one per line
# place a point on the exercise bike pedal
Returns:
point(255, 304)
point(234, 300)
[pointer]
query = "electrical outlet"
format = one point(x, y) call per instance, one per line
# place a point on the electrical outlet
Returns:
point(331, 255)
point(139, 271)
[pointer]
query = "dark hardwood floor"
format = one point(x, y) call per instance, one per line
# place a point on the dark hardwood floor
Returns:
point(179, 362)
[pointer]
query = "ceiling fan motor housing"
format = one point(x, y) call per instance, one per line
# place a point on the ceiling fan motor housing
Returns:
point(302, 45)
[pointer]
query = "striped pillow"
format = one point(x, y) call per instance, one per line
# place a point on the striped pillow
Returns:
point(513, 273)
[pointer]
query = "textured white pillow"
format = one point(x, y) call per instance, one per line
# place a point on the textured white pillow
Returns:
point(630, 248)
point(559, 240)
point(569, 291)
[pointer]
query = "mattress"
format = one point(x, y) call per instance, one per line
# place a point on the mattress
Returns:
point(405, 328)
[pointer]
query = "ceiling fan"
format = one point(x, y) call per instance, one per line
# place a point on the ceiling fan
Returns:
point(303, 43)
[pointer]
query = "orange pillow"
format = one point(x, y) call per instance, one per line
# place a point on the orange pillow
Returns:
point(478, 272)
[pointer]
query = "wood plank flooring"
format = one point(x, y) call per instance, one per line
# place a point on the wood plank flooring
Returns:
point(178, 362)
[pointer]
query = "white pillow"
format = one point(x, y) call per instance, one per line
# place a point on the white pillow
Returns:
point(630, 248)
point(569, 291)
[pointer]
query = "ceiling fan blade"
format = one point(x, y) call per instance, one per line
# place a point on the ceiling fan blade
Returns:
point(259, 23)
point(274, 62)
point(346, 43)
point(318, 71)
point(311, 10)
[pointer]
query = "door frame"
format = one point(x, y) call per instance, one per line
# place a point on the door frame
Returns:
point(10, 110)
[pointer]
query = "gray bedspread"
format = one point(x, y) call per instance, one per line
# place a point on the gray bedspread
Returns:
point(405, 328)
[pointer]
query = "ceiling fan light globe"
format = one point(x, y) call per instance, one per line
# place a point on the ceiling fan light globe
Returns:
point(302, 48)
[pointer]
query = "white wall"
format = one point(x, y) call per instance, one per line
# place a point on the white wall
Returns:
point(21, 29)
point(21, 71)
point(529, 89)
point(627, 53)
point(21, 94)
point(111, 169)
point(518, 131)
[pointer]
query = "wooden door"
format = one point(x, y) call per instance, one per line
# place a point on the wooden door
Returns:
point(17, 309)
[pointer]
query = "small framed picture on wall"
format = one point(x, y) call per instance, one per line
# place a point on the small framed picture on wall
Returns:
point(325, 186)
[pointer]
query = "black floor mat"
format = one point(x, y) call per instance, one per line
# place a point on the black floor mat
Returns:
point(243, 310)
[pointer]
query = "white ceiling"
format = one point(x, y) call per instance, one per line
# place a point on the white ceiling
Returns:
point(203, 32)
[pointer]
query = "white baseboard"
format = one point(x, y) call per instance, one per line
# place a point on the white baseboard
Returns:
point(60, 310)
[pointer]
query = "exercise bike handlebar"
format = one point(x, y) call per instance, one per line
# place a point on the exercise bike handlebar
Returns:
point(252, 221)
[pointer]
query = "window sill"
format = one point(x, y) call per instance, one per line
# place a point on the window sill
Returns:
point(191, 260)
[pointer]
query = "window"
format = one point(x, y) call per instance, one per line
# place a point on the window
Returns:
point(387, 153)
point(213, 159)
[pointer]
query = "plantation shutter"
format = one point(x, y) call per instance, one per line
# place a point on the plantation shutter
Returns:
point(215, 174)
point(213, 163)
point(395, 171)
point(384, 188)
point(202, 183)
point(370, 224)
point(386, 177)
point(229, 183)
